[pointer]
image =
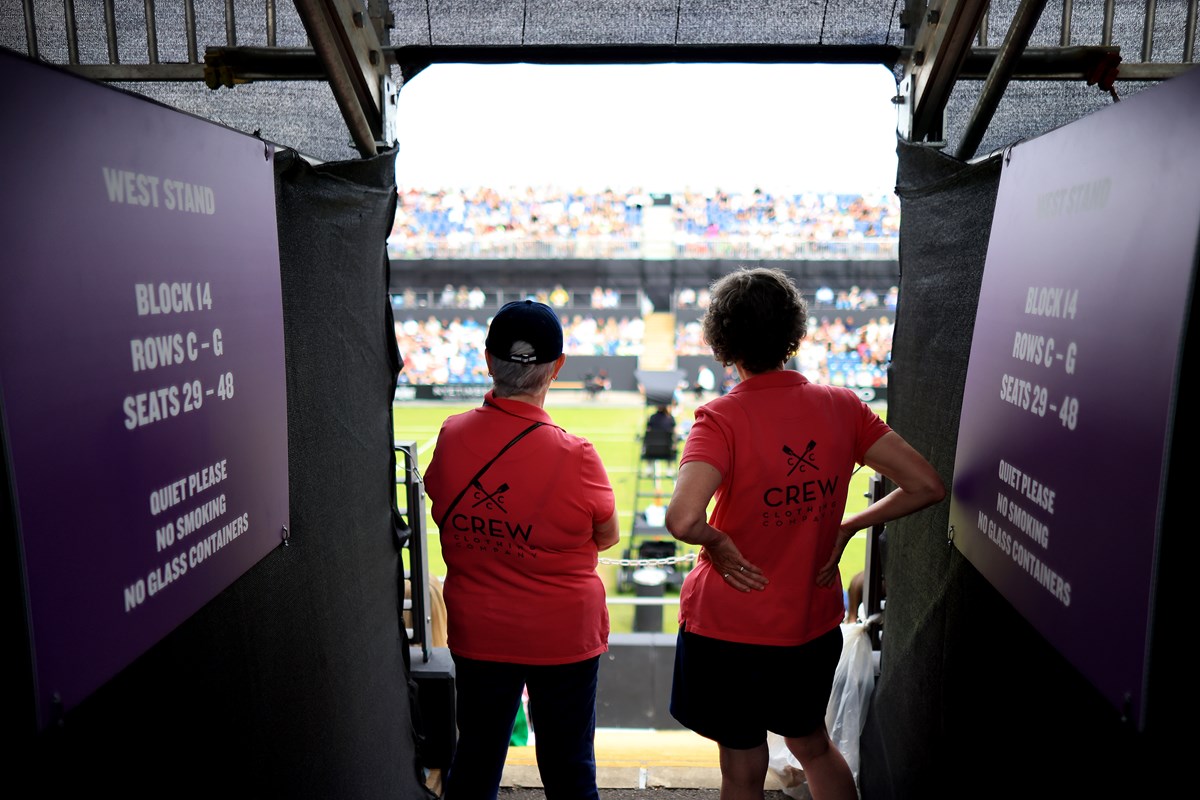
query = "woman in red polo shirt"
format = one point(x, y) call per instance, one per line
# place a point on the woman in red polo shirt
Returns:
point(523, 508)
point(760, 615)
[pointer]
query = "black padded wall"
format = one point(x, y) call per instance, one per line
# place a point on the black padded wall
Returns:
point(971, 701)
point(292, 683)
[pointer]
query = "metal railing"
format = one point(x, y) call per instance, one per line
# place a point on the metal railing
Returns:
point(412, 541)
point(140, 61)
point(422, 299)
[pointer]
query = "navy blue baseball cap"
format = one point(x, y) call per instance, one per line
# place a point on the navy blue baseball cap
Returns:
point(525, 321)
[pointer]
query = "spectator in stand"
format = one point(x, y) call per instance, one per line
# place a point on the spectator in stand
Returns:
point(476, 298)
point(706, 381)
point(559, 296)
point(728, 380)
point(824, 296)
point(689, 341)
point(863, 348)
point(892, 298)
point(447, 298)
point(597, 297)
point(632, 334)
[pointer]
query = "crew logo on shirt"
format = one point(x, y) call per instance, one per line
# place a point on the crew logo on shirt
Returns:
point(803, 496)
point(800, 461)
point(486, 526)
point(490, 500)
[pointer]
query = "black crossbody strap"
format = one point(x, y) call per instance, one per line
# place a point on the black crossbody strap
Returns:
point(484, 468)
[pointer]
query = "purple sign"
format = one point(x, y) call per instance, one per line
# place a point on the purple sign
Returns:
point(141, 368)
point(1070, 389)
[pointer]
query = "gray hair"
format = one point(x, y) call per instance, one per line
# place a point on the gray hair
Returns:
point(511, 378)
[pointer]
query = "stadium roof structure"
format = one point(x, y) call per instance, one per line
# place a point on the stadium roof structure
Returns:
point(323, 76)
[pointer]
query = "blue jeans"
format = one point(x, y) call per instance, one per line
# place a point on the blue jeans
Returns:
point(562, 712)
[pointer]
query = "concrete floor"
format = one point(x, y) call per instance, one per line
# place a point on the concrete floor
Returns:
point(640, 764)
point(637, 794)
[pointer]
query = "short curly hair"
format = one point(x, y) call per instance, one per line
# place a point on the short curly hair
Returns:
point(756, 318)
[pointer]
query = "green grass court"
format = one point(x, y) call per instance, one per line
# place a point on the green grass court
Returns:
point(613, 429)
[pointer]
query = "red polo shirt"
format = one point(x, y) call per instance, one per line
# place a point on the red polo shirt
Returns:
point(521, 583)
point(786, 449)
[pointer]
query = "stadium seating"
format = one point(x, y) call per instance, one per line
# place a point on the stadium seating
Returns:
point(444, 344)
point(550, 222)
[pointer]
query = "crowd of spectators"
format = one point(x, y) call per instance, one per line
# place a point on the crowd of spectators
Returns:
point(451, 351)
point(543, 222)
point(608, 298)
point(852, 299)
point(843, 349)
point(475, 298)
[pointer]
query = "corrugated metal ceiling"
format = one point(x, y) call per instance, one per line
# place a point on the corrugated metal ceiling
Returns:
point(301, 110)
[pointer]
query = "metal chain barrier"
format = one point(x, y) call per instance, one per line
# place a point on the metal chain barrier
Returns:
point(648, 562)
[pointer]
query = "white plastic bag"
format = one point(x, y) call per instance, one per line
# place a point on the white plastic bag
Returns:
point(853, 683)
point(786, 768)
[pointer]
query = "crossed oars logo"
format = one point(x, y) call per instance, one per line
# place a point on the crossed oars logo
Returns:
point(801, 460)
point(493, 499)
